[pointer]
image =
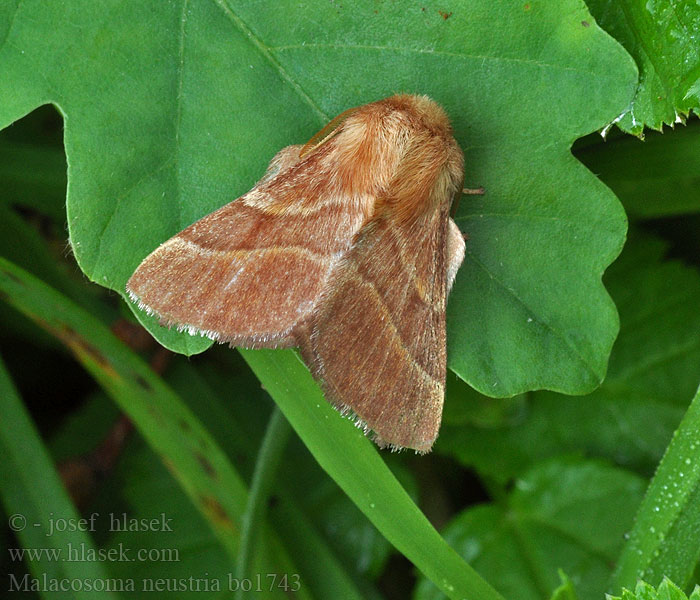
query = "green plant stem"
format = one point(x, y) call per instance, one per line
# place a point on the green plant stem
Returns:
point(269, 456)
point(664, 541)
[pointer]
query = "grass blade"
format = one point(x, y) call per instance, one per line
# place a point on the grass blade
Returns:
point(664, 540)
point(32, 493)
point(356, 466)
point(191, 454)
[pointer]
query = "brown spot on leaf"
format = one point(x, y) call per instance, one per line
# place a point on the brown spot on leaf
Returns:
point(206, 465)
point(157, 417)
point(170, 465)
point(13, 277)
point(143, 382)
point(585, 23)
point(82, 348)
point(445, 15)
point(217, 513)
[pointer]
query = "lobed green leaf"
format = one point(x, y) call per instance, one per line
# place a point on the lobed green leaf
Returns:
point(173, 109)
point(631, 417)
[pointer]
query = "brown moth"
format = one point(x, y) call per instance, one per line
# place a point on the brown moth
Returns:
point(346, 249)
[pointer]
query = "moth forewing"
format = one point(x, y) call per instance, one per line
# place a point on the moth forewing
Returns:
point(344, 248)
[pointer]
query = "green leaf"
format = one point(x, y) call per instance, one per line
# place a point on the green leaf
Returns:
point(654, 178)
point(565, 515)
point(357, 543)
point(36, 501)
point(566, 590)
point(667, 590)
point(630, 418)
point(173, 109)
point(188, 450)
point(355, 464)
point(325, 574)
point(662, 36)
point(237, 422)
point(664, 540)
point(142, 488)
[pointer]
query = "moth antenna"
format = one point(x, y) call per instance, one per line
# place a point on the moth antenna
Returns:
point(326, 133)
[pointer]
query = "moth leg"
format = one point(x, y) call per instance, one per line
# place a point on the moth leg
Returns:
point(455, 252)
point(465, 192)
point(473, 191)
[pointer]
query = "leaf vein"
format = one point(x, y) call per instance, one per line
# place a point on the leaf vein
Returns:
point(265, 51)
point(483, 57)
point(118, 201)
point(572, 349)
point(178, 107)
point(11, 23)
